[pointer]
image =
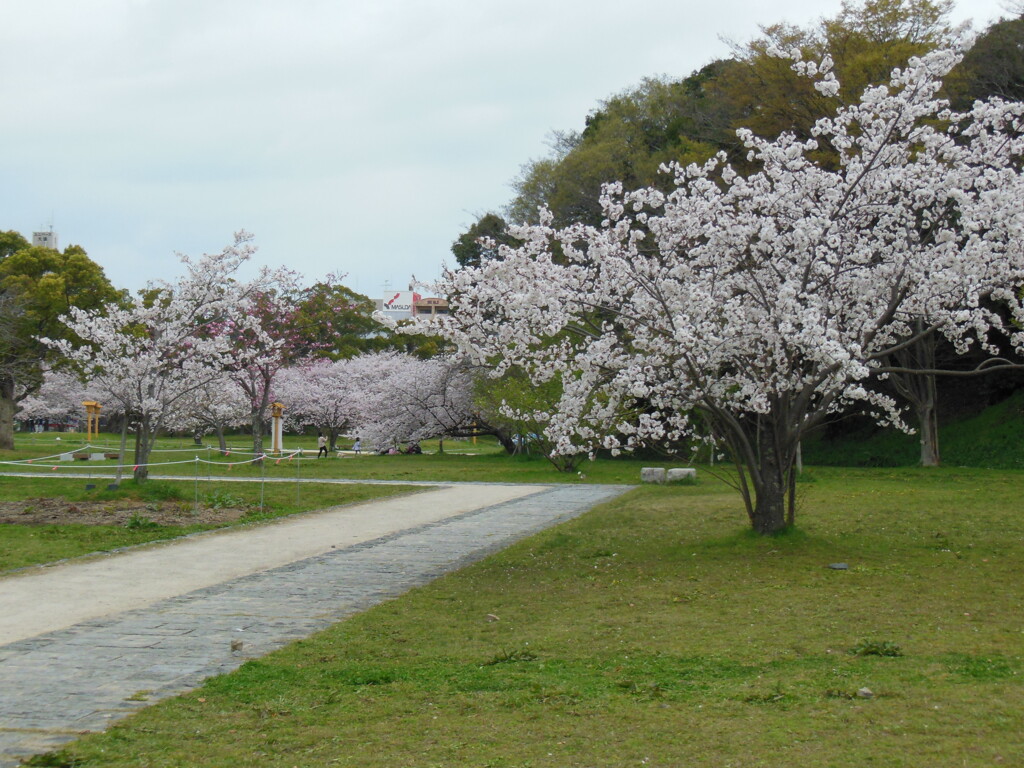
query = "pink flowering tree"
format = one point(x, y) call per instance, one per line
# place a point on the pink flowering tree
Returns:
point(153, 353)
point(280, 337)
point(757, 305)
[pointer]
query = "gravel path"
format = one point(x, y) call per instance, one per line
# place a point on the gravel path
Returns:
point(79, 641)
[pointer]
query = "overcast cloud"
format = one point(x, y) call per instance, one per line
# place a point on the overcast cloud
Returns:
point(353, 137)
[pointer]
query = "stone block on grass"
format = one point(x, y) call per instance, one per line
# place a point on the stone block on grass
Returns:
point(652, 475)
point(681, 474)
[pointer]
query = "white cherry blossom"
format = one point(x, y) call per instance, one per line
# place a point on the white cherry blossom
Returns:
point(750, 307)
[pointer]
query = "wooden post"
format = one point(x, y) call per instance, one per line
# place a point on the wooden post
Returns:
point(92, 419)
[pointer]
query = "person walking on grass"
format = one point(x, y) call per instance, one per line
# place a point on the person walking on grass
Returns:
point(357, 446)
point(321, 442)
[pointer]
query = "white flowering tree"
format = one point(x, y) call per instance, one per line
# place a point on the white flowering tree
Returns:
point(320, 393)
point(400, 398)
point(59, 397)
point(215, 407)
point(760, 304)
point(152, 354)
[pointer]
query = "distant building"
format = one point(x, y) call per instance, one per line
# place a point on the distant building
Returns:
point(404, 305)
point(430, 307)
point(45, 239)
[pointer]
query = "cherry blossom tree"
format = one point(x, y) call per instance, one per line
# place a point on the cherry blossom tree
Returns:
point(149, 355)
point(215, 407)
point(400, 398)
point(284, 334)
point(322, 393)
point(759, 304)
point(59, 397)
point(262, 348)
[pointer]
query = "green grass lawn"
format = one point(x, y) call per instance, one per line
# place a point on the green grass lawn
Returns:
point(465, 460)
point(656, 631)
point(24, 545)
point(38, 455)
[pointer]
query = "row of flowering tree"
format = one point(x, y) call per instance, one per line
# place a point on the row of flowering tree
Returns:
point(204, 354)
point(145, 363)
point(386, 398)
point(757, 305)
point(151, 354)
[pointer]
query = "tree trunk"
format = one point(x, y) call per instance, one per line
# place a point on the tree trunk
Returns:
point(257, 433)
point(222, 441)
point(921, 391)
point(770, 507)
point(929, 426)
point(143, 444)
point(122, 450)
point(772, 482)
point(506, 441)
point(928, 420)
point(7, 409)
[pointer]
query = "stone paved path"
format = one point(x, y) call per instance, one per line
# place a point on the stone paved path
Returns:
point(57, 686)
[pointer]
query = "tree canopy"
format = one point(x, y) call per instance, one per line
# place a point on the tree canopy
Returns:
point(38, 286)
point(631, 135)
point(766, 300)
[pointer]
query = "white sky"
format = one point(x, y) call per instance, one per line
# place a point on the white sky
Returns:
point(353, 137)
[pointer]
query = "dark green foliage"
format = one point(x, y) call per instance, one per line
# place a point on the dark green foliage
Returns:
point(139, 522)
point(158, 491)
point(470, 252)
point(993, 438)
point(994, 66)
point(333, 321)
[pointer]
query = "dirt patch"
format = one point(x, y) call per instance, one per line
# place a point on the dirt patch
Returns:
point(120, 512)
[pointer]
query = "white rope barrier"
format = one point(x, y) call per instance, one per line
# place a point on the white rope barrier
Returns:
point(44, 460)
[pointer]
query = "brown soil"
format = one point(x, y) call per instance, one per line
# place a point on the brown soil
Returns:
point(61, 512)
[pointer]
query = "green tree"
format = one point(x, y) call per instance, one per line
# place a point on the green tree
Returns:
point(470, 252)
point(994, 66)
point(333, 321)
point(631, 135)
point(11, 242)
point(627, 139)
point(37, 286)
point(865, 40)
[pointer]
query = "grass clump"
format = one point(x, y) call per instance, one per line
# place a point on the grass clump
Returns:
point(160, 490)
point(223, 499)
point(876, 648)
point(139, 522)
